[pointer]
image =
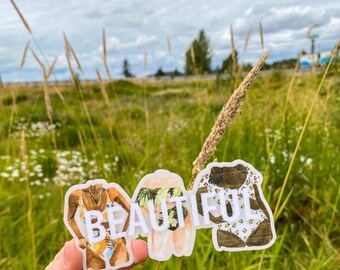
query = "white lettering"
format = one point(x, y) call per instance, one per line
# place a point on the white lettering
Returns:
point(115, 221)
point(135, 211)
point(246, 200)
point(206, 207)
point(194, 210)
point(96, 232)
point(178, 200)
point(235, 206)
point(153, 217)
point(92, 227)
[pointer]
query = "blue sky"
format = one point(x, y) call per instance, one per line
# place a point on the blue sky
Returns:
point(133, 26)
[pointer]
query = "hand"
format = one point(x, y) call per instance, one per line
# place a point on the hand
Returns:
point(70, 258)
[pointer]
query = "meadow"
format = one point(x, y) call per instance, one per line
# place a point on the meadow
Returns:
point(130, 128)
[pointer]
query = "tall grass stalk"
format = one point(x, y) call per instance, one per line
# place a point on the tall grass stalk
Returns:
point(50, 67)
point(276, 211)
point(28, 28)
point(109, 108)
point(30, 220)
point(233, 51)
point(14, 110)
point(146, 115)
point(145, 60)
point(103, 90)
point(23, 58)
point(172, 60)
point(169, 46)
point(21, 17)
point(223, 120)
point(105, 57)
point(261, 35)
point(271, 148)
point(77, 85)
point(49, 110)
point(247, 39)
point(192, 53)
point(1, 83)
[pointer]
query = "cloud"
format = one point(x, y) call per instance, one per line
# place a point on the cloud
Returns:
point(135, 25)
point(114, 43)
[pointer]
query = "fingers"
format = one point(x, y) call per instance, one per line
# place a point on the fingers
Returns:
point(140, 250)
point(69, 258)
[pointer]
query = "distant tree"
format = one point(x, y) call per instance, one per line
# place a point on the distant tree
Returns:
point(227, 64)
point(303, 52)
point(160, 73)
point(177, 73)
point(126, 69)
point(247, 66)
point(198, 56)
point(282, 64)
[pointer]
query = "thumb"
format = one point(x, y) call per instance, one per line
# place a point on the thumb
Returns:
point(68, 258)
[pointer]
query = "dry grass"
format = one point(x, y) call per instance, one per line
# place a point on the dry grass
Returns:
point(30, 217)
point(1, 83)
point(261, 35)
point(21, 17)
point(107, 69)
point(233, 51)
point(228, 112)
point(103, 89)
point(169, 46)
point(247, 39)
point(23, 58)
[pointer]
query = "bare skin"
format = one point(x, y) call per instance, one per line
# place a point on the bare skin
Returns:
point(69, 257)
point(95, 198)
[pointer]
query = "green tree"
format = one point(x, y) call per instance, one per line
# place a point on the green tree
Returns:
point(198, 56)
point(126, 69)
point(160, 72)
point(229, 65)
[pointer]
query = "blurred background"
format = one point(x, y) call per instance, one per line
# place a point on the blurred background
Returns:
point(117, 90)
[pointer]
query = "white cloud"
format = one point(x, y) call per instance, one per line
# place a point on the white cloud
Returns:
point(134, 25)
point(114, 43)
point(248, 11)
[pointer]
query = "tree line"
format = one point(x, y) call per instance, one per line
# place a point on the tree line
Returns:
point(198, 60)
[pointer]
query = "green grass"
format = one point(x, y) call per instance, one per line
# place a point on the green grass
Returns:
point(163, 125)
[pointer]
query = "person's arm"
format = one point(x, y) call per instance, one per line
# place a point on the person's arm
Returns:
point(116, 196)
point(73, 203)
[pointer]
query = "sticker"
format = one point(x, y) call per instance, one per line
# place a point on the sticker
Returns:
point(226, 198)
point(95, 213)
point(235, 206)
point(164, 202)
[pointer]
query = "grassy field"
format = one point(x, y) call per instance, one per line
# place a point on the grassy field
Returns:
point(141, 127)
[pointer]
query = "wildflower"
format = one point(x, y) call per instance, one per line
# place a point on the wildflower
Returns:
point(4, 175)
point(309, 161)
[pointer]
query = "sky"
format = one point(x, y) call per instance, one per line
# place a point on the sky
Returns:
point(135, 26)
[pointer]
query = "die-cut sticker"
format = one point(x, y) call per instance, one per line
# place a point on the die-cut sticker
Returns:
point(87, 212)
point(249, 224)
point(226, 198)
point(172, 232)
